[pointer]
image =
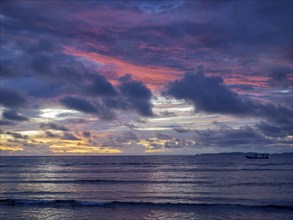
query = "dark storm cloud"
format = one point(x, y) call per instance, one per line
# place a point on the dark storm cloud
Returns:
point(277, 117)
point(234, 28)
point(51, 135)
point(250, 23)
point(271, 130)
point(47, 60)
point(280, 73)
point(33, 58)
point(208, 94)
point(63, 70)
point(86, 134)
point(45, 90)
point(100, 86)
point(54, 73)
point(163, 136)
point(126, 137)
point(130, 136)
point(181, 130)
point(281, 76)
point(64, 136)
point(227, 36)
point(253, 23)
point(278, 114)
point(244, 138)
point(130, 126)
point(137, 96)
point(16, 135)
point(229, 137)
point(6, 123)
point(83, 105)
point(129, 95)
point(14, 116)
point(42, 64)
point(11, 99)
point(78, 104)
point(53, 126)
point(69, 136)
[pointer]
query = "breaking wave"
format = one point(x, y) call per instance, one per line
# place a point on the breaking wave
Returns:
point(79, 203)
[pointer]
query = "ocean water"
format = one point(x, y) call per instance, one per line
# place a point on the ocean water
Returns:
point(221, 186)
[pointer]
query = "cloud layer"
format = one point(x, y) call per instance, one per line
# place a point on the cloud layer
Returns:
point(145, 76)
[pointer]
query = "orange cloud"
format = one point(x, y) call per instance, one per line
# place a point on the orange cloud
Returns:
point(153, 76)
point(149, 145)
point(10, 148)
point(82, 149)
point(255, 81)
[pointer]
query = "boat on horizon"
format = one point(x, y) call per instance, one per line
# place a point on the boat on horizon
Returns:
point(257, 156)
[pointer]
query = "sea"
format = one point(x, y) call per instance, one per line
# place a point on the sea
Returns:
point(204, 187)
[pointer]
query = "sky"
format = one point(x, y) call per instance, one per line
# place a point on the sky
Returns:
point(123, 77)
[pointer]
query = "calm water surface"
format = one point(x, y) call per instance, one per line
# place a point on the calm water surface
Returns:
point(226, 186)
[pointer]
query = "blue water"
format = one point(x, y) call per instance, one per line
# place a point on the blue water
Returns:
point(223, 186)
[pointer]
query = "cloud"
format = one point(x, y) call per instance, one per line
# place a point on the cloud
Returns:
point(167, 114)
point(83, 105)
point(64, 136)
point(211, 95)
point(86, 134)
point(125, 137)
point(137, 96)
point(130, 136)
point(163, 136)
point(49, 134)
point(102, 98)
point(100, 86)
point(181, 130)
point(6, 123)
point(53, 126)
point(69, 136)
point(208, 94)
point(17, 135)
point(281, 75)
point(44, 90)
point(75, 55)
point(12, 115)
point(271, 130)
point(179, 143)
point(130, 125)
point(11, 99)
point(245, 136)
point(79, 104)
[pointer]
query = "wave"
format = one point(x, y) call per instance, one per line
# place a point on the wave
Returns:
point(108, 181)
point(103, 181)
point(262, 184)
point(173, 170)
point(121, 181)
point(79, 203)
point(35, 193)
